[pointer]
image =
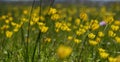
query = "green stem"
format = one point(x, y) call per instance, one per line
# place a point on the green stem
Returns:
point(28, 33)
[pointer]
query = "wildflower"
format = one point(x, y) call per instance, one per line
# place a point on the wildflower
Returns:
point(77, 21)
point(25, 12)
point(7, 21)
point(118, 59)
point(9, 34)
point(52, 11)
point(47, 39)
point(70, 37)
point(64, 51)
point(104, 55)
point(55, 17)
point(10, 18)
point(117, 22)
point(91, 36)
point(114, 28)
point(111, 33)
point(3, 17)
point(100, 34)
point(92, 42)
point(83, 16)
point(117, 39)
point(43, 29)
point(94, 26)
point(102, 23)
point(77, 40)
point(15, 29)
point(13, 23)
point(109, 19)
point(98, 39)
point(111, 59)
point(57, 30)
point(4, 27)
point(42, 18)
point(101, 50)
point(80, 31)
point(58, 24)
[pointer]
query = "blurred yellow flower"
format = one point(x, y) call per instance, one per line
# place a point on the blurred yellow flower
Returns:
point(43, 29)
point(117, 22)
point(98, 39)
point(55, 16)
point(103, 55)
point(111, 59)
point(91, 36)
point(7, 21)
point(77, 40)
point(77, 21)
point(118, 58)
point(70, 37)
point(114, 28)
point(117, 39)
point(15, 29)
point(52, 11)
point(4, 27)
point(9, 34)
point(83, 16)
point(47, 39)
point(95, 26)
point(80, 32)
point(92, 42)
point(25, 12)
point(111, 33)
point(101, 50)
point(64, 51)
point(100, 34)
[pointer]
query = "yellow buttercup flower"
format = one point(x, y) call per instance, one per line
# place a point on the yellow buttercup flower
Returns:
point(98, 39)
point(77, 21)
point(95, 26)
point(114, 28)
point(55, 17)
point(77, 40)
point(117, 39)
point(92, 42)
point(52, 11)
point(101, 50)
point(117, 22)
point(104, 55)
point(64, 51)
point(111, 59)
point(91, 36)
point(100, 34)
point(7, 21)
point(80, 31)
point(9, 34)
point(83, 16)
point(70, 37)
point(111, 33)
point(25, 12)
point(44, 29)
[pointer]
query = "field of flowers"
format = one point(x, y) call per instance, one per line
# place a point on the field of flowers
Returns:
point(74, 33)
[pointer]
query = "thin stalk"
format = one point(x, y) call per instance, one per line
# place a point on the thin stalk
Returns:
point(40, 11)
point(38, 37)
point(28, 33)
point(39, 34)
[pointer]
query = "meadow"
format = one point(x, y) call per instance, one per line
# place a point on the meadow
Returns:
point(59, 33)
